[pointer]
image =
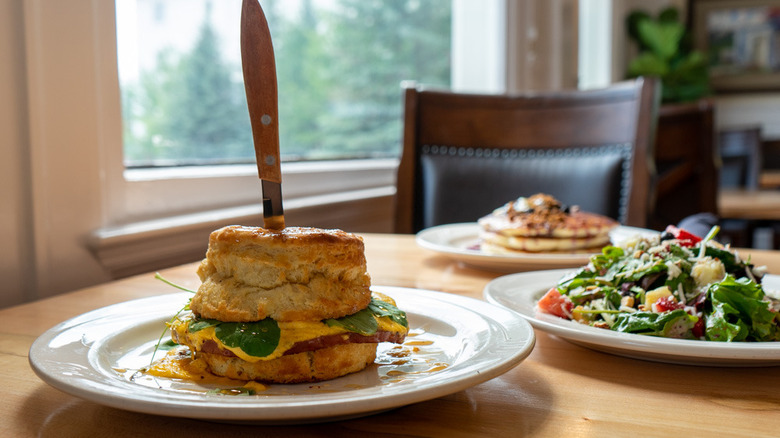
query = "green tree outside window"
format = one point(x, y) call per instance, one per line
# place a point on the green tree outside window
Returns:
point(339, 70)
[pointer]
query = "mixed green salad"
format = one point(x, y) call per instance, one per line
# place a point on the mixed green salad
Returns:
point(673, 285)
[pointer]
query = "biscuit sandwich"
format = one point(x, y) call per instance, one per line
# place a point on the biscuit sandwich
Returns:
point(286, 306)
point(540, 223)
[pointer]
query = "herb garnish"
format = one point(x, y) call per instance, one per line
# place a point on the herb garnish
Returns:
point(169, 344)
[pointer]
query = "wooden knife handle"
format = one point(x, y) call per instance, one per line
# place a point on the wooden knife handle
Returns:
point(259, 65)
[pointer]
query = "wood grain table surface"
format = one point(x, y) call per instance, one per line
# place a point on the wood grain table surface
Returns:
point(561, 389)
point(750, 204)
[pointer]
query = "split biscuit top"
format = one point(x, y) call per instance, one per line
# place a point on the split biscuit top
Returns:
point(294, 274)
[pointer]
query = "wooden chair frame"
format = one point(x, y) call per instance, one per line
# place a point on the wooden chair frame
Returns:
point(623, 113)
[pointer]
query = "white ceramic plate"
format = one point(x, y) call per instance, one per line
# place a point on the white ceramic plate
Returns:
point(520, 292)
point(461, 242)
point(458, 342)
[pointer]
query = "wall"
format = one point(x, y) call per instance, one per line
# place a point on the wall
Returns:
point(541, 45)
point(735, 109)
point(16, 257)
point(65, 141)
point(750, 109)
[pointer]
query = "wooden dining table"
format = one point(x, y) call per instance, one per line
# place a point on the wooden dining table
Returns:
point(749, 204)
point(769, 179)
point(560, 389)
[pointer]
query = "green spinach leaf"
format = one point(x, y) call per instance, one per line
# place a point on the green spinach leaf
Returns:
point(385, 309)
point(257, 339)
point(197, 324)
point(362, 322)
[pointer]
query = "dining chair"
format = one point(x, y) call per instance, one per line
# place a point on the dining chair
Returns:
point(741, 156)
point(467, 154)
point(686, 162)
point(770, 152)
point(693, 162)
point(741, 162)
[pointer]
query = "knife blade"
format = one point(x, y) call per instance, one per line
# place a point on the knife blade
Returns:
point(259, 67)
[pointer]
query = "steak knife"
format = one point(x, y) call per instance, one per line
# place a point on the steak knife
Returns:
point(259, 67)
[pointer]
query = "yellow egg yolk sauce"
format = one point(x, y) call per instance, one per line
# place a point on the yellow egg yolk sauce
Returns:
point(178, 363)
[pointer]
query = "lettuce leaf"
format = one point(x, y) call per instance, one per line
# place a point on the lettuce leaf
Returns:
point(609, 256)
point(632, 270)
point(718, 327)
point(739, 312)
point(677, 323)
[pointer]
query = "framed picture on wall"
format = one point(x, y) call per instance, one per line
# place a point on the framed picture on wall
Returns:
point(741, 39)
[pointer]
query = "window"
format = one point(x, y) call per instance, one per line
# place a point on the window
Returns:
point(339, 63)
point(595, 31)
point(339, 66)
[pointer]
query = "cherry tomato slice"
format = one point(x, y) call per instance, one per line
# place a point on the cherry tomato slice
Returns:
point(685, 237)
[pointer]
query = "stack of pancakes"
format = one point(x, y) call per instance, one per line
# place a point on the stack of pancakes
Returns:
point(540, 223)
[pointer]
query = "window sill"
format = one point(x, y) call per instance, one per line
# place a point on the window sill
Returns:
point(156, 244)
point(147, 194)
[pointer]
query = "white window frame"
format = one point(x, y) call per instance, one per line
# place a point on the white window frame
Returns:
point(144, 194)
point(595, 43)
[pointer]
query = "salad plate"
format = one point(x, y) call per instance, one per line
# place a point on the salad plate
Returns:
point(520, 292)
point(454, 343)
point(461, 242)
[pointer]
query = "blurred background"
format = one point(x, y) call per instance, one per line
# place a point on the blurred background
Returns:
point(126, 137)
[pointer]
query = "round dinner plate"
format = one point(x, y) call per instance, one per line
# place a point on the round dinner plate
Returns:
point(520, 292)
point(455, 342)
point(461, 242)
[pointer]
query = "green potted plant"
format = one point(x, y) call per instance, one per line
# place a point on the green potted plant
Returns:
point(684, 145)
point(665, 51)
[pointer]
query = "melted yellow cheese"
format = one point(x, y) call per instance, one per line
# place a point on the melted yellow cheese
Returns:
point(292, 332)
point(255, 386)
point(179, 364)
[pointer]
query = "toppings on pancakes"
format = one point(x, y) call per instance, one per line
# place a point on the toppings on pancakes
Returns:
point(540, 223)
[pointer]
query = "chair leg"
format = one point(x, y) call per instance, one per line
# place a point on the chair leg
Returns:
point(776, 235)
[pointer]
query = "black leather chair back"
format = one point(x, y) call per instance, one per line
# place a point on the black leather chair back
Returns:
point(460, 184)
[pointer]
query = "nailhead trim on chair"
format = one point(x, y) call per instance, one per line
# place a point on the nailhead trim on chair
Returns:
point(624, 149)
